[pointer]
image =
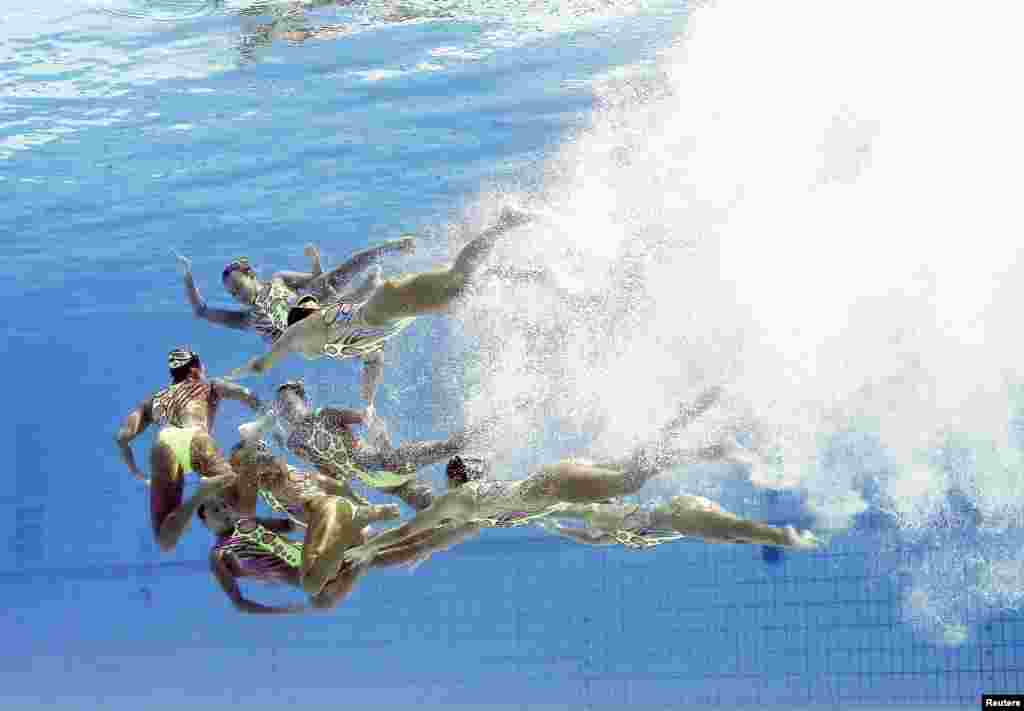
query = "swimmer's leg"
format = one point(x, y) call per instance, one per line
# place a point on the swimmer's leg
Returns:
point(329, 520)
point(170, 517)
point(334, 525)
point(337, 589)
point(701, 518)
point(689, 412)
point(167, 488)
point(430, 292)
point(417, 494)
point(426, 453)
point(578, 483)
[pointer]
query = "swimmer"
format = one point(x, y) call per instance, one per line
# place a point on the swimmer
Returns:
point(640, 527)
point(256, 548)
point(323, 437)
point(284, 488)
point(348, 329)
point(185, 412)
point(474, 499)
point(289, 22)
point(267, 303)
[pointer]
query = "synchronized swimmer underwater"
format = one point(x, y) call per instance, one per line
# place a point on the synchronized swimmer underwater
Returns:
point(317, 315)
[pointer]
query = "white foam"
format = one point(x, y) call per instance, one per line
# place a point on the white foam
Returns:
point(816, 202)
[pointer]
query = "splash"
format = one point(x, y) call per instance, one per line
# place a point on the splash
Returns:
point(813, 202)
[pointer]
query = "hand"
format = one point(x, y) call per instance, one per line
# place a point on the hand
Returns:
point(377, 433)
point(311, 251)
point(141, 477)
point(407, 245)
point(184, 264)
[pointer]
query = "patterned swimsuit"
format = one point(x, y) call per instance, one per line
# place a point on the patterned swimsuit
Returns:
point(352, 336)
point(509, 504)
point(638, 533)
point(261, 553)
point(170, 403)
point(324, 441)
point(269, 313)
point(301, 486)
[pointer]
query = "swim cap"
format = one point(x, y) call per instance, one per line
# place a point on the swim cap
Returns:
point(468, 468)
point(180, 357)
point(240, 264)
point(252, 448)
point(296, 385)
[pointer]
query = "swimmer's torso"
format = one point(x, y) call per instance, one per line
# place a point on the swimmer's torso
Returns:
point(325, 441)
point(352, 337)
point(191, 403)
point(634, 526)
point(507, 504)
point(269, 313)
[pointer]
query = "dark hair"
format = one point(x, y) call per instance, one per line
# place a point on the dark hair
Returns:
point(297, 313)
point(241, 264)
point(457, 472)
point(181, 372)
point(296, 386)
point(201, 512)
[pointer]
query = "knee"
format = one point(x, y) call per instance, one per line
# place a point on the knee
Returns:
point(314, 575)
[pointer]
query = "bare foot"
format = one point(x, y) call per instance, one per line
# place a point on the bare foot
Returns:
point(801, 540)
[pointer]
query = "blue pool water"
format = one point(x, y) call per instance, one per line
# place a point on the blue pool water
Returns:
point(755, 199)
